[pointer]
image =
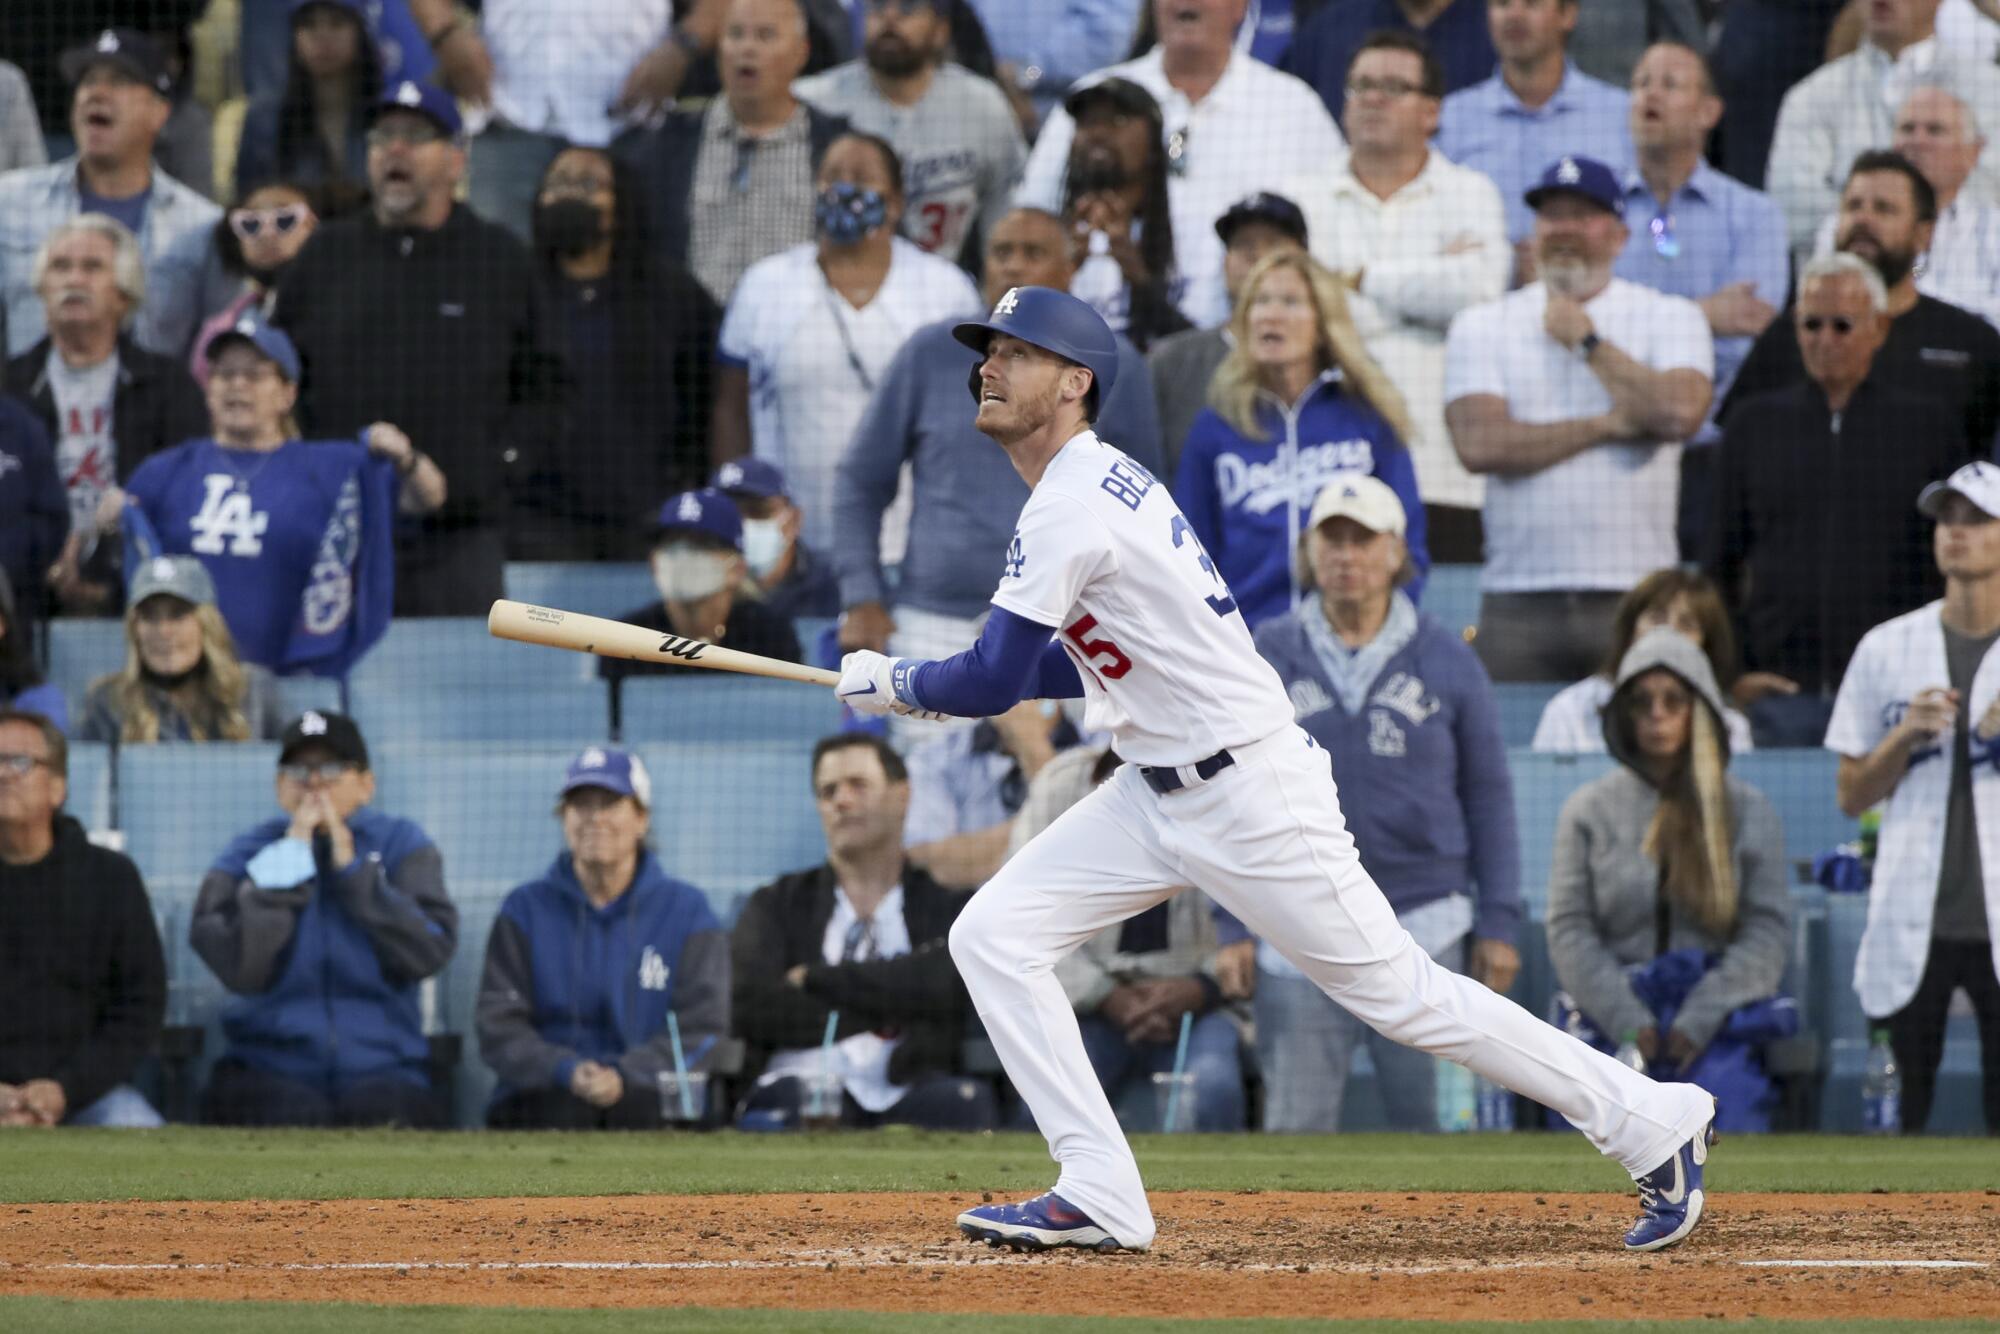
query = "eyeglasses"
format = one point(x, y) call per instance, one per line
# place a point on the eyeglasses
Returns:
point(1665, 244)
point(247, 374)
point(902, 6)
point(327, 771)
point(1842, 326)
point(1390, 88)
point(1177, 150)
point(20, 765)
point(250, 223)
point(414, 133)
point(557, 186)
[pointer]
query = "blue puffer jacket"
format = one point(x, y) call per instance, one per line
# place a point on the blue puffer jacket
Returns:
point(1235, 491)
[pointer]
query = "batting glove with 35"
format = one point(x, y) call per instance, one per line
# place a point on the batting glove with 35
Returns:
point(868, 686)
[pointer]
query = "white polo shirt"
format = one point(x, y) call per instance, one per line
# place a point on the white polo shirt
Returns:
point(1257, 129)
point(1603, 519)
point(1427, 252)
point(814, 360)
point(559, 64)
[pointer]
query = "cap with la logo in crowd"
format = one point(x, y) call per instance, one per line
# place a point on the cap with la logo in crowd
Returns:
point(707, 511)
point(426, 100)
point(1584, 177)
point(322, 727)
point(749, 477)
point(125, 49)
point(1366, 500)
point(612, 769)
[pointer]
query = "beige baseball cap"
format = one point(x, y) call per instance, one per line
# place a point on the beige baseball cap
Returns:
point(1977, 482)
point(1364, 499)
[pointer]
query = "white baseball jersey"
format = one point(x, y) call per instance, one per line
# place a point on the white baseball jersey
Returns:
point(1104, 555)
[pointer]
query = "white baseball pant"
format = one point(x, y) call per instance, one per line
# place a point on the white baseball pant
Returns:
point(1265, 839)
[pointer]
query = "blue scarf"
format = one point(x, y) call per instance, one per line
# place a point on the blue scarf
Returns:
point(1352, 671)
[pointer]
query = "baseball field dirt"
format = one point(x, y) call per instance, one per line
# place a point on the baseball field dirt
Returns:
point(1404, 1255)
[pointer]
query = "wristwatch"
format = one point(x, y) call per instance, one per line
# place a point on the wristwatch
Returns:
point(1588, 344)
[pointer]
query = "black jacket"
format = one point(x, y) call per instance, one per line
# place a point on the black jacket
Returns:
point(83, 984)
point(34, 509)
point(918, 993)
point(442, 333)
point(156, 406)
point(1816, 536)
point(753, 628)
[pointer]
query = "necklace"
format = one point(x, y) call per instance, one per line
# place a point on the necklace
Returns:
point(244, 477)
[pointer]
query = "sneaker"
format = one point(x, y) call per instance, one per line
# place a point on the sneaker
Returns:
point(1047, 1220)
point(1670, 1198)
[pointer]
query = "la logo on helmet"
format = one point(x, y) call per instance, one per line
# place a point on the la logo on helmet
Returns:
point(1007, 303)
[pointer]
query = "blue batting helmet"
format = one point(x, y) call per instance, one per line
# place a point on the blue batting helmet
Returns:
point(1055, 322)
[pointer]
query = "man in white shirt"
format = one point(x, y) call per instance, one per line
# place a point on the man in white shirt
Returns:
point(1418, 239)
point(1233, 126)
point(961, 145)
point(1573, 395)
point(1848, 106)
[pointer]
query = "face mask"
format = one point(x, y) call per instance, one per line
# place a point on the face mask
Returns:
point(763, 544)
point(569, 226)
point(684, 574)
point(845, 212)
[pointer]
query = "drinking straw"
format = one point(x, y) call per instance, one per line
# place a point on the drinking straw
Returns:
point(1180, 1066)
point(680, 1066)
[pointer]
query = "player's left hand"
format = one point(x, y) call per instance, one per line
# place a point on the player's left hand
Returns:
point(1495, 964)
point(867, 685)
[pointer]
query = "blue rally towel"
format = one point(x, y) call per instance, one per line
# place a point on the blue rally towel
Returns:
point(344, 608)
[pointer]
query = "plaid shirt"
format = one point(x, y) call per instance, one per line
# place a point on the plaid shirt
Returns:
point(174, 242)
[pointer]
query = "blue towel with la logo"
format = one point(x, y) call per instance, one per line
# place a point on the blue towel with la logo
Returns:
point(300, 542)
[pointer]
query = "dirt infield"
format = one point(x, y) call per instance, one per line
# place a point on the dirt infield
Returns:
point(1435, 1256)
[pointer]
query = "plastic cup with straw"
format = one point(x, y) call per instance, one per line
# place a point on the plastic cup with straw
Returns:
point(680, 1066)
point(822, 1100)
point(1173, 1118)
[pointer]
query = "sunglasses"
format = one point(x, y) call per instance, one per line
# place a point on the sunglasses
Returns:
point(1177, 151)
point(1814, 323)
point(406, 131)
point(1665, 244)
point(1389, 88)
point(251, 223)
point(327, 771)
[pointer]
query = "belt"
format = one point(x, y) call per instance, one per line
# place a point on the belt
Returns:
point(1164, 779)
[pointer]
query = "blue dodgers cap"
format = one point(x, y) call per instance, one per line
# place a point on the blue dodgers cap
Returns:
point(252, 328)
point(427, 100)
point(1265, 207)
point(750, 477)
point(126, 49)
point(1053, 321)
point(706, 511)
point(1582, 176)
point(612, 769)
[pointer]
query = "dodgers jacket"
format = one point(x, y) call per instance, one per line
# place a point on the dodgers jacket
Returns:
point(328, 969)
point(568, 981)
point(1248, 500)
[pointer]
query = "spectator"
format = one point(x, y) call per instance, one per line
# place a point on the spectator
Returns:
point(1610, 40)
point(1762, 48)
point(324, 921)
point(814, 329)
point(699, 569)
point(1680, 599)
point(961, 146)
point(421, 313)
point(1572, 394)
point(313, 131)
point(1182, 364)
point(297, 536)
point(401, 31)
point(1231, 126)
point(22, 688)
point(106, 402)
point(967, 784)
point(1408, 718)
point(1799, 506)
point(254, 242)
point(1848, 107)
point(1297, 402)
point(1416, 238)
point(182, 679)
point(1937, 131)
point(20, 128)
point(792, 578)
point(638, 335)
point(1919, 685)
point(1042, 49)
point(859, 940)
point(586, 963)
point(734, 183)
point(83, 982)
point(34, 514)
point(1887, 213)
point(1454, 32)
point(121, 104)
point(1668, 852)
point(966, 494)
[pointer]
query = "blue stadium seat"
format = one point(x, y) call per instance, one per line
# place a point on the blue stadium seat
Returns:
point(600, 589)
point(296, 694)
point(1521, 704)
point(181, 803)
point(80, 651)
point(730, 817)
point(1800, 783)
point(458, 651)
point(489, 807)
point(1542, 783)
point(1451, 594)
point(89, 797)
point(719, 706)
point(427, 710)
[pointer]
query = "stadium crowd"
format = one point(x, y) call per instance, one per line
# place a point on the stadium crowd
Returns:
point(1675, 318)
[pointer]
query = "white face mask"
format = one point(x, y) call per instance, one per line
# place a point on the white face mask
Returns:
point(763, 544)
point(687, 574)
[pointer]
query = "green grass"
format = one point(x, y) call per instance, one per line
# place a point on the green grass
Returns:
point(201, 1164)
point(32, 1314)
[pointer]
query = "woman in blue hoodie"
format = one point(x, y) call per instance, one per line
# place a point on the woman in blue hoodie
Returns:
point(1408, 718)
point(1297, 401)
point(585, 964)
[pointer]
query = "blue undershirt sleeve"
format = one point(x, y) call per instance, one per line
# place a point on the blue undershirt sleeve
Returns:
point(1015, 659)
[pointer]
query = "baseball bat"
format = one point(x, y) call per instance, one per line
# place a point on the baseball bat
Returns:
point(617, 639)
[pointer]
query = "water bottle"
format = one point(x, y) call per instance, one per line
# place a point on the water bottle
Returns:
point(1496, 1106)
point(1629, 1053)
point(1881, 1088)
point(1455, 1110)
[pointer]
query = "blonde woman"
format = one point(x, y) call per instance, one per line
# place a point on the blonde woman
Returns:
point(1297, 401)
point(182, 680)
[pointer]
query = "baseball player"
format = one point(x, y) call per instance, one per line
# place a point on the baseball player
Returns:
point(1220, 790)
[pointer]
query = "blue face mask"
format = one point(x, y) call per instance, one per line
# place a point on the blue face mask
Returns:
point(845, 212)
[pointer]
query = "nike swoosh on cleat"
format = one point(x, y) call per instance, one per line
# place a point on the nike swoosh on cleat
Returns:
point(1678, 1194)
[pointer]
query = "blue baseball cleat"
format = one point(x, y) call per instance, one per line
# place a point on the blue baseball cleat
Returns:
point(1670, 1198)
point(1046, 1221)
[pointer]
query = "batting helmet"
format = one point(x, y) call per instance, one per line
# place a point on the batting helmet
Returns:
point(1055, 322)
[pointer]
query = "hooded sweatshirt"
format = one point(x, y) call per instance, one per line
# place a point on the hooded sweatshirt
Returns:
point(1605, 912)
